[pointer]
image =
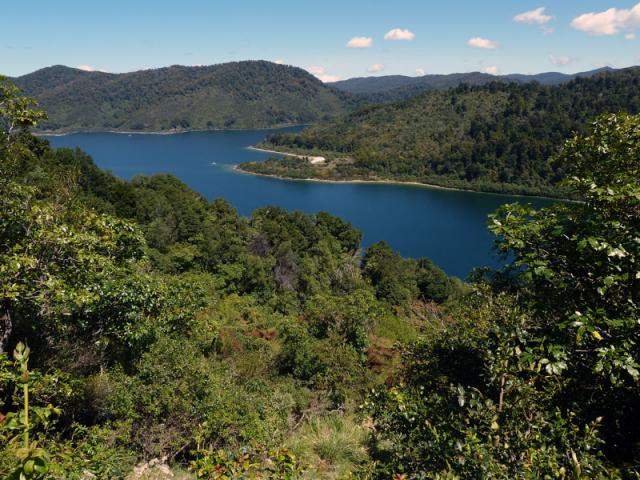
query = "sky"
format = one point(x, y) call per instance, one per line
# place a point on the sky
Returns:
point(333, 39)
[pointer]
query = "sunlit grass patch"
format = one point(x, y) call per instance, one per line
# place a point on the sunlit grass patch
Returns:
point(331, 446)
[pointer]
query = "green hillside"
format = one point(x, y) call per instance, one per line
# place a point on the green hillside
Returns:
point(498, 137)
point(252, 94)
point(149, 334)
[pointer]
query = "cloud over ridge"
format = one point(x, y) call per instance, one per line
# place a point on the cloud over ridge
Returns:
point(492, 70)
point(321, 74)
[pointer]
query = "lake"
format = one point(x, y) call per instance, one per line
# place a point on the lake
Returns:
point(447, 226)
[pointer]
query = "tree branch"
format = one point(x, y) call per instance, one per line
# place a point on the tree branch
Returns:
point(6, 326)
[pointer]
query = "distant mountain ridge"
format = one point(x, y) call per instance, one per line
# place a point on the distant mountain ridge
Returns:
point(235, 95)
point(391, 88)
point(249, 94)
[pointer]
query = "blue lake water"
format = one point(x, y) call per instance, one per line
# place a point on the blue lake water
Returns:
point(447, 226)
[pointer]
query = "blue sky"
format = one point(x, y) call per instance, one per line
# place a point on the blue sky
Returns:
point(422, 36)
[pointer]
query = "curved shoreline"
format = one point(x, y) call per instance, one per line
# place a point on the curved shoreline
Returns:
point(237, 169)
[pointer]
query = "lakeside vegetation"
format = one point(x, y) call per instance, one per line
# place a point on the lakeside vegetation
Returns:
point(300, 169)
point(168, 332)
point(236, 95)
point(495, 138)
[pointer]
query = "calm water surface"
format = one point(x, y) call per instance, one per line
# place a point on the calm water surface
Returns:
point(446, 226)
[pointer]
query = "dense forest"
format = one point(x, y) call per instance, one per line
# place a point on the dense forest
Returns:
point(497, 137)
point(392, 88)
point(252, 94)
point(237, 95)
point(148, 333)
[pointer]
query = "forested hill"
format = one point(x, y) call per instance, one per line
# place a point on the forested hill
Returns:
point(251, 94)
point(391, 88)
point(497, 137)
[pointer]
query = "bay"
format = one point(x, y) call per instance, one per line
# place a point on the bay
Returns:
point(448, 226)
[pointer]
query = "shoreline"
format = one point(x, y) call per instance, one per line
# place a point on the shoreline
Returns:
point(236, 168)
point(58, 133)
point(286, 154)
point(313, 159)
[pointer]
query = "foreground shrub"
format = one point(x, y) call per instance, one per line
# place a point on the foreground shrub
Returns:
point(255, 463)
point(540, 382)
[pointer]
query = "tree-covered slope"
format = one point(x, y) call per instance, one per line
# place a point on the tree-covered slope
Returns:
point(497, 137)
point(252, 94)
point(390, 88)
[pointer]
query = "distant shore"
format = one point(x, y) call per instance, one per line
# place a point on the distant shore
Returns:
point(430, 186)
point(59, 133)
point(73, 132)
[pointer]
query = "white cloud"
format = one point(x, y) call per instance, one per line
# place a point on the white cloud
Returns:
point(560, 61)
point(315, 70)
point(547, 30)
point(399, 34)
point(329, 78)
point(360, 42)
point(492, 70)
point(322, 75)
point(279, 61)
point(420, 72)
point(89, 68)
point(534, 17)
point(479, 42)
point(630, 36)
point(375, 68)
point(609, 22)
